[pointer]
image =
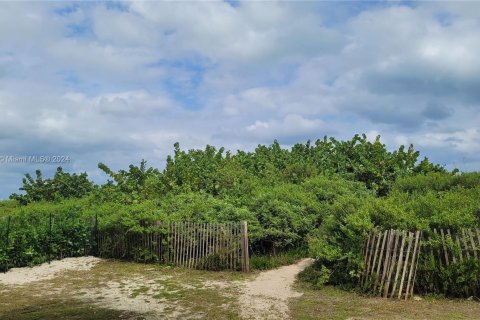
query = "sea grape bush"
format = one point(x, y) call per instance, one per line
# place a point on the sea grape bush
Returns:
point(34, 236)
point(325, 196)
point(63, 185)
point(337, 243)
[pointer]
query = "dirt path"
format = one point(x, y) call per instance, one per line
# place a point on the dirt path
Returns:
point(267, 296)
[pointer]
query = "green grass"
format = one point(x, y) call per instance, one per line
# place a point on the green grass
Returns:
point(60, 309)
point(267, 262)
point(333, 303)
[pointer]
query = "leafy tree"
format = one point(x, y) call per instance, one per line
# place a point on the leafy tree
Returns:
point(63, 185)
point(136, 184)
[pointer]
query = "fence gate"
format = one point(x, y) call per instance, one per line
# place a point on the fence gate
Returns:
point(390, 259)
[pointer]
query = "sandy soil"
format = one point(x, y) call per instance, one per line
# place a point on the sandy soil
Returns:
point(21, 276)
point(118, 295)
point(267, 296)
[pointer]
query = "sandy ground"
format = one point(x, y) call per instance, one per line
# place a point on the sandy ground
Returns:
point(117, 295)
point(21, 276)
point(267, 296)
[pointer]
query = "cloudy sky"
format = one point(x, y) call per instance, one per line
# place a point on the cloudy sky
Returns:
point(118, 82)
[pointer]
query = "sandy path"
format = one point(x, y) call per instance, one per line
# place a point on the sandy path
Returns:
point(45, 271)
point(267, 296)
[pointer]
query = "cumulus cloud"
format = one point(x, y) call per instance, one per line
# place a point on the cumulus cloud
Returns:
point(288, 129)
point(124, 81)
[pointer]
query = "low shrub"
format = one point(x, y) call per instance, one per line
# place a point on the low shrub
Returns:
point(267, 262)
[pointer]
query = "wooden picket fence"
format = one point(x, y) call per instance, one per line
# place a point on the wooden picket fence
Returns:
point(208, 246)
point(454, 247)
point(390, 259)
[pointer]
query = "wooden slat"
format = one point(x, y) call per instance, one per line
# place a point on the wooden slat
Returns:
point(205, 245)
point(191, 244)
point(228, 245)
point(452, 241)
point(365, 256)
point(445, 251)
point(393, 263)
point(478, 237)
point(399, 264)
point(187, 244)
point(472, 242)
point(235, 246)
point(388, 257)
point(176, 248)
point(379, 264)
point(375, 255)
point(412, 264)
point(209, 249)
point(182, 243)
point(197, 246)
point(416, 262)
point(177, 243)
point(173, 238)
point(439, 259)
point(372, 267)
point(405, 265)
point(371, 252)
point(368, 251)
point(465, 244)
point(246, 260)
point(459, 246)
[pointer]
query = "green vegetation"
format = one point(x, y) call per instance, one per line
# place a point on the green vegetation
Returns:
point(266, 262)
point(411, 205)
point(324, 196)
point(63, 185)
point(331, 303)
point(43, 231)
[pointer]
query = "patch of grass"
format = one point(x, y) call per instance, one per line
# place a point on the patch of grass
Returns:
point(267, 262)
point(61, 309)
point(139, 291)
point(314, 276)
point(333, 303)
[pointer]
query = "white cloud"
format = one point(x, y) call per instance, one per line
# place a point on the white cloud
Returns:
point(119, 85)
point(292, 125)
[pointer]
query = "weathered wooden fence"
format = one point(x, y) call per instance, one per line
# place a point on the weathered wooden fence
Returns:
point(212, 246)
point(390, 259)
point(451, 247)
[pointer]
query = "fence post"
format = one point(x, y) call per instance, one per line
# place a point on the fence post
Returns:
point(95, 230)
point(49, 237)
point(7, 235)
point(245, 256)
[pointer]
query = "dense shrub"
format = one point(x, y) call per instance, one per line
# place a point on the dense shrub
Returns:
point(270, 261)
point(325, 195)
point(460, 278)
point(452, 203)
point(34, 236)
point(62, 186)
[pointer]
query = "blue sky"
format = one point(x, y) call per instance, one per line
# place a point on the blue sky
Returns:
point(120, 81)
